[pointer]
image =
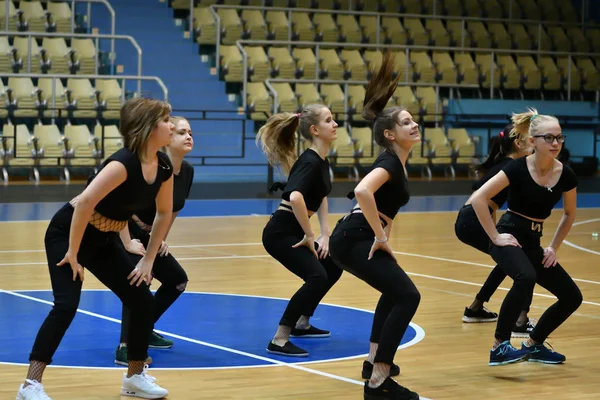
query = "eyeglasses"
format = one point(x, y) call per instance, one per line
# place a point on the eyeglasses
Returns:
point(549, 138)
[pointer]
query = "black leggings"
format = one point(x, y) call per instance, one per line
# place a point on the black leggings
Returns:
point(319, 275)
point(469, 231)
point(103, 254)
point(166, 270)
point(524, 266)
point(350, 244)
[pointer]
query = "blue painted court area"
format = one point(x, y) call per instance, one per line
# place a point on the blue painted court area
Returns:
point(213, 208)
point(239, 323)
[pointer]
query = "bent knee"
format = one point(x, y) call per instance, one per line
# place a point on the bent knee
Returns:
point(181, 287)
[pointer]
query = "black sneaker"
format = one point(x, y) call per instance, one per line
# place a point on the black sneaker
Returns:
point(367, 370)
point(524, 330)
point(483, 315)
point(288, 349)
point(311, 332)
point(389, 389)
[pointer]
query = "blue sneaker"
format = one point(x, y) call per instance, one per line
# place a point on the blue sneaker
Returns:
point(506, 354)
point(542, 354)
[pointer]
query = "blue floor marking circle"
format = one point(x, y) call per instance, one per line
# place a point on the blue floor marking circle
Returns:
point(239, 322)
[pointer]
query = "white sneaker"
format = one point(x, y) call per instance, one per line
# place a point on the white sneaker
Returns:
point(34, 391)
point(142, 385)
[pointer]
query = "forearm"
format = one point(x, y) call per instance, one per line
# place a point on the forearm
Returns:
point(323, 221)
point(125, 235)
point(366, 201)
point(301, 213)
point(480, 206)
point(173, 216)
point(388, 230)
point(564, 226)
point(159, 230)
point(81, 216)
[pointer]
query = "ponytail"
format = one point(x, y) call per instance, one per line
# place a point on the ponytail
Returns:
point(277, 139)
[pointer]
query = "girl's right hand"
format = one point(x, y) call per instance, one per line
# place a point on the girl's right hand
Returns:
point(308, 241)
point(136, 247)
point(71, 259)
point(381, 246)
point(506, 239)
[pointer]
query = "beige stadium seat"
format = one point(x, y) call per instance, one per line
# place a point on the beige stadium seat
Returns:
point(405, 98)
point(520, 37)
point(591, 81)
point(454, 28)
point(85, 54)
point(413, 6)
point(563, 66)
point(416, 32)
point(580, 42)
point(231, 25)
point(302, 27)
point(511, 74)
point(550, 73)
point(254, 24)
point(3, 98)
point(278, 24)
point(342, 149)
point(282, 62)
point(325, 27)
point(80, 144)
point(422, 66)
point(567, 11)
point(479, 34)
point(367, 149)
point(438, 32)
point(394, 31)
point(356, 97)
point(12, 16)
point(462, 145)
point(333, 97)
point(5, 55)
point(540, 36)
point(499, 35)
point(305, 62)
point(445, 67)
point(286, 97)
point(24, 151)
point(473, 8)
point(51, 145)
point(350, 32)
point(23, 54)
point(205, 26)
point(23, 92)
point(368, 25)
point(232, 64)
point(259, 101)
point(467, 69)
point(258, 63)
point(428, 100)
point(373, 59)
point(331, 64)
point(34, 14)
point(112, 94)
point(307, 93)
point(533, 75)
point(419, 156)
point(559, 38)
point(60, 97)
point(58, 53)
point(61, 16)
point(484, 63)
point(453, 8)
point(354, 64)
point(402, 65)
point(84, 96)
point(440, 148)
point(492, 9)
point(108, 143)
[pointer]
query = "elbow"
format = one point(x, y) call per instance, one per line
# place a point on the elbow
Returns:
point(362, 193)
point(296, 198)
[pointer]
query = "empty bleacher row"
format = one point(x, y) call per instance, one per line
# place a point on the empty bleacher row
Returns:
point(47, 147)
point(36, 16)
point(56, 55)
point(74, 98)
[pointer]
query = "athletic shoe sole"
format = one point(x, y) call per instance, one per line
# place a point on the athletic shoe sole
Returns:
point(470, 320)
point(281, 353)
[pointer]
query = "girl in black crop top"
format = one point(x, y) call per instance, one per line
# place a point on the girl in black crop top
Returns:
point(505, 147)
point(535, 184)
point(84, 233)
point(359, 242)
point(136, 237)
point(288, 236)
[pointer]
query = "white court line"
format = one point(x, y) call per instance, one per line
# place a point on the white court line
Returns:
point(587, 221)
point(202, 343)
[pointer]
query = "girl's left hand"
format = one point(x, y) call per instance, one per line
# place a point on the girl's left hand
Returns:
point(550, 259)
point(323, 241)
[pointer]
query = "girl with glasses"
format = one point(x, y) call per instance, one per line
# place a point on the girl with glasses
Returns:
point(535, 184)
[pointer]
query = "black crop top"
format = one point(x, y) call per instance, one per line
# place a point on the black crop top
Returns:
point(526, 197)
point(500, 198)
point(309, 176)
point(182, 184)
point(394, 193)
point(135, 193)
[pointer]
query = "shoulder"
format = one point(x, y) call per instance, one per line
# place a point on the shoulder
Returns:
point(390, 162)
point(569, 177)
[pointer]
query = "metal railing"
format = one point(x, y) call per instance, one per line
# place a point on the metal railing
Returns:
point(89, 15)
point(407, 49)
point(463, 20)
point(96, 39)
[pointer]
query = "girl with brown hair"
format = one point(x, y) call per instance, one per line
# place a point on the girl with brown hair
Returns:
point(288, 236)
point(84, 233)
point(359, 242)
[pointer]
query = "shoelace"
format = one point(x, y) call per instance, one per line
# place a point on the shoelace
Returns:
point(38, 389)
point(145, 375)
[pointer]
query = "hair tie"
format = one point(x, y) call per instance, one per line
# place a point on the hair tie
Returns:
point(501, 134)
point(299, 115)
point(534, 116)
